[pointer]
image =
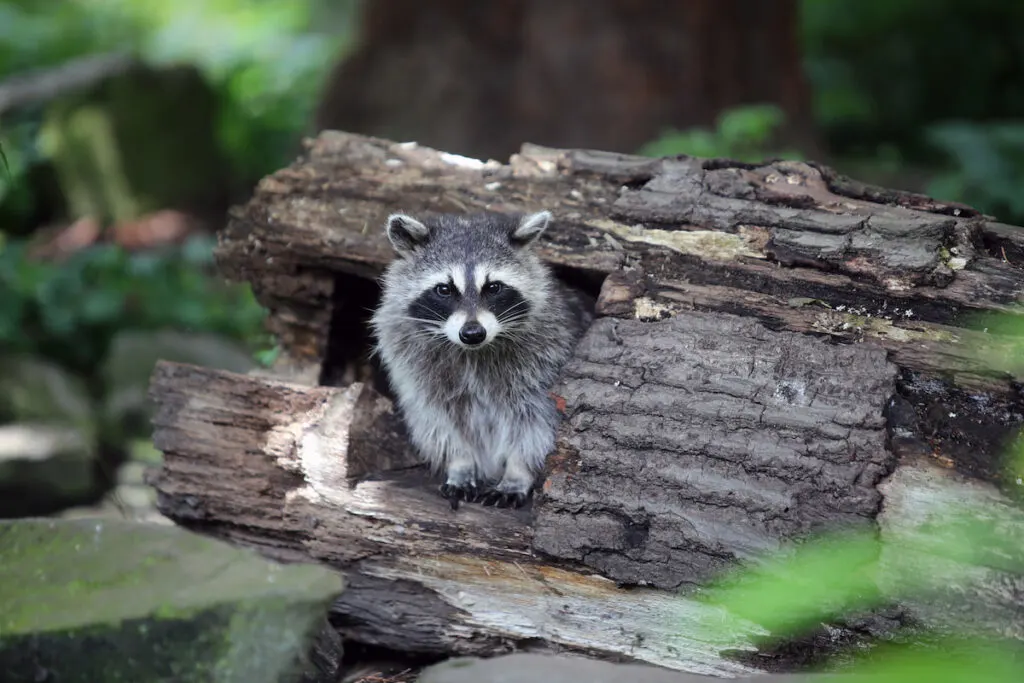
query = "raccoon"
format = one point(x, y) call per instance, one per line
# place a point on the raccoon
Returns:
point(473, 329)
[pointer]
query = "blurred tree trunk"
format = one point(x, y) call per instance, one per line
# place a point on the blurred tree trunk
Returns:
point(481, 78)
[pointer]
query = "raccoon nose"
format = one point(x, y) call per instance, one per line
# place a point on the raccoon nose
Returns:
point(472, 333)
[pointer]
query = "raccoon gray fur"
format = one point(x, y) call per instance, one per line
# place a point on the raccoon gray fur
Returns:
point(473, 330)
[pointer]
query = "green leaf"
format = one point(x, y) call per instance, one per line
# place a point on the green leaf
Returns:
point(792, 592)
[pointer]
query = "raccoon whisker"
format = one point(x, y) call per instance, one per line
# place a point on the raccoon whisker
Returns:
point(513, 321)
point(513, 336)
point(512, 308)
point(420, 320)
point(423, 334)
point(513, 316)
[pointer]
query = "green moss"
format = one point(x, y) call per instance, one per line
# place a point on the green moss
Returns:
point(112, 600)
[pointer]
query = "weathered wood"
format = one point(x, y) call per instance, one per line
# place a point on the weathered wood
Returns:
point(791, 244)
point(706, 438)
point(262, 463)
point(774, 346)
point(44, 85)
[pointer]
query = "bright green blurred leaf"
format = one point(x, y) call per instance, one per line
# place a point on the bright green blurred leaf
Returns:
point(950, 661)
point(818, 579)
point(743, 133)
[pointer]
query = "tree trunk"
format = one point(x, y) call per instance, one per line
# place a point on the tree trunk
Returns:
point(481, 78)
point(777, 351)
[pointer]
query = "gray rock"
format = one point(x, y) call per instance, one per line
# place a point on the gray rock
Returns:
point(529, 668)
point(48, 454)
point(44, 468)
point(105, 600)
point(35, 390)
point(133, 353)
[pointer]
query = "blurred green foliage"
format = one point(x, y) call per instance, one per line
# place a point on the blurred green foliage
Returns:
point(836, 575)
point(954, 539)
point(987, 166)
point(927, 95)
point(744, 133)
point(265, 59)
point(936, 84)
point(883, 71)
point(70, 311)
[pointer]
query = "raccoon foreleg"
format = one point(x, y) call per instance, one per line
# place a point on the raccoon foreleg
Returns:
point(513, 490)
point(525, 460)
point(461, 480)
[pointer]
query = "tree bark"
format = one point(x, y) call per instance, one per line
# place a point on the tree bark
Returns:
point(777, 351)
point(480, 78)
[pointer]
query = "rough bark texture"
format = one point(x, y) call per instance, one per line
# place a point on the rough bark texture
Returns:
point(774, 344)
point(705, 438)
point(262, 463)
point(656, 237)
point(480, 78)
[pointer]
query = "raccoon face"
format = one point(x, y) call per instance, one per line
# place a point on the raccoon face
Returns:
point(469, 280)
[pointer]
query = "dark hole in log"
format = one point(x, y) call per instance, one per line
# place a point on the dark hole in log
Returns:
point(972, 431)
point(1000, 245)
point(349, 356)
point(392, 662)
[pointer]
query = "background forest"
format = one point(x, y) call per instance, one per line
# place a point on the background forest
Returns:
point(128, 127)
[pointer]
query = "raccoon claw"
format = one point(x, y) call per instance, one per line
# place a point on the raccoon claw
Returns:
point(456, 493)
point(503, 499)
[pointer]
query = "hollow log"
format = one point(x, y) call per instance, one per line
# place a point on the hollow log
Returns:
point(778, 351)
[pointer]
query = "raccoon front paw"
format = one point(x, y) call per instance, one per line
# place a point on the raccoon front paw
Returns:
point(499, 499)
point(455, 493)
point(514, 488)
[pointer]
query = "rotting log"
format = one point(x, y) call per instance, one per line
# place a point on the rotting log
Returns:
point(262, 463)
point(775, 348)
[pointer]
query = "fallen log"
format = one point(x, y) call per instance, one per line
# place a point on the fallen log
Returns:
point(777, 351)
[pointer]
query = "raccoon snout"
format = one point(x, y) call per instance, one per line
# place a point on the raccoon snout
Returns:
point(472, 333)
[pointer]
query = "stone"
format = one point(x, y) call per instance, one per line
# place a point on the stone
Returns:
point(48, 446)
point(531, 668)
point(44, 468)
point(106, 600)
point(134, 353)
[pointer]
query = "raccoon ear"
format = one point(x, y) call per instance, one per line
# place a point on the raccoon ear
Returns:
point(405, 232)
point(530, 228)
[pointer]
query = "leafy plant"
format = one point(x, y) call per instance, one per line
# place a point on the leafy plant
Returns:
point(841, 574)
point(264, 59)
point(987, 166)
point(69, 312)
point(882, 71)
point(744, 133)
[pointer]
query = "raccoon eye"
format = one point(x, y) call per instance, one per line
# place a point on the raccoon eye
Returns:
point(443, 290)
point(492, 287)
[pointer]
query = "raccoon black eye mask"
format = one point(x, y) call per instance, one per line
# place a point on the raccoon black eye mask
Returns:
point(473, 329)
